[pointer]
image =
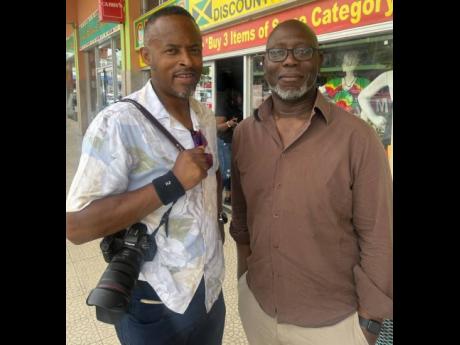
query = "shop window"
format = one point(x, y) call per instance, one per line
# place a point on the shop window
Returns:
point(349, 68)
point(71, 90)
point(203, 91)
point(260, 90)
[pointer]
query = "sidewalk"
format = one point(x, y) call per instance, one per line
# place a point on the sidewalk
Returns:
point(84, 266)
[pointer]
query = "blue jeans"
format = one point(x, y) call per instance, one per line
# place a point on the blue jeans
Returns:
point(155, 324)
point(225, 155)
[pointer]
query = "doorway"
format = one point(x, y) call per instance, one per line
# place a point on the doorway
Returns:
point(229, 76)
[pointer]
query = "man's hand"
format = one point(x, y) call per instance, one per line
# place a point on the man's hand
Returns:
point(191, 167)
point(232, 123)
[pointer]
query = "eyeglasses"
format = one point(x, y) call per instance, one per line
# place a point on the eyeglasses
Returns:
point(300, 53)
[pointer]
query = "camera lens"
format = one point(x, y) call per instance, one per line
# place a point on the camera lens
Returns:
point(113, 291)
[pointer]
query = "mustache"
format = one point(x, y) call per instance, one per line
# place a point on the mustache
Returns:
point(186, 71)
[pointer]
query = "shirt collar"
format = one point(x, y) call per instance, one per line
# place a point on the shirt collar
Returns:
point(321, 107)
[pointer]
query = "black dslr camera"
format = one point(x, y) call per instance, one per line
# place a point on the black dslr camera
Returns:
point(125, 251)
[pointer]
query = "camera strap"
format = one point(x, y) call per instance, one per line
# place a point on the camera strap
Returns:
point(155, 122)
point(174, 141)
point(165, 221)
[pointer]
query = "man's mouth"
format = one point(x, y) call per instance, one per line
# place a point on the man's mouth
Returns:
point(186, 76)
point(290, 77)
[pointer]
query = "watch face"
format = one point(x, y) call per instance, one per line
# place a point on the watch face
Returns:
point(373, 327)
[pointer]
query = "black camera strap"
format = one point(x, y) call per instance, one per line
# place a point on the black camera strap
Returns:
point(165, 221)
point(174, 141)
point(155, 122)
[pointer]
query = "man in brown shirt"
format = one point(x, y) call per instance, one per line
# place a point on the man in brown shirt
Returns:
point(312, 209)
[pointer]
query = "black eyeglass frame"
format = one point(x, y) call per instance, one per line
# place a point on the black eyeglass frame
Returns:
point(286, 50)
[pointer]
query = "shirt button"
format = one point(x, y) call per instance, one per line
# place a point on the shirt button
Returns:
point(275, 215)
point(276, 245)
point(278, 185)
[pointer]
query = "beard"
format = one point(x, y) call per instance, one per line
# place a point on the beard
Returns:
point(185, 94)
point(292, 95)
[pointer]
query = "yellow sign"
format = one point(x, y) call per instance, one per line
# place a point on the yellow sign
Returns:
point(209, 13)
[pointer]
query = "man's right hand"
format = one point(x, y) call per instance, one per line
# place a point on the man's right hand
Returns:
point(191, 167)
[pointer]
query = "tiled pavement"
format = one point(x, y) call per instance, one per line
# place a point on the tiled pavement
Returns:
point(84, 266)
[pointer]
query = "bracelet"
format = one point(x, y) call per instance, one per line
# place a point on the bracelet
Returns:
point(168, 188)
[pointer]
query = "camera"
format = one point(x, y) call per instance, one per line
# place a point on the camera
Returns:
point(125, 251)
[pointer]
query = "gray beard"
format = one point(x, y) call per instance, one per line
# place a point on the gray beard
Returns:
point(187, 94)
point(292, 95)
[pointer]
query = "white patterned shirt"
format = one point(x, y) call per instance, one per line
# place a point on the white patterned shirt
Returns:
point(121, 152)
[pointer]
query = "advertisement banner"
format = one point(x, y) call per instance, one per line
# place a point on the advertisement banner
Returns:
point(92, 30)
point(324, 16)
point(110, 11)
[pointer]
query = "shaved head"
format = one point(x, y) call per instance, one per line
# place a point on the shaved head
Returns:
point(294, 24)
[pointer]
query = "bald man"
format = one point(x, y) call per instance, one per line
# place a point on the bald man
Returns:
point(312, 209)
point(130, 172)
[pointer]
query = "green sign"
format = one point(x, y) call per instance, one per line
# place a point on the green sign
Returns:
point(92, 30)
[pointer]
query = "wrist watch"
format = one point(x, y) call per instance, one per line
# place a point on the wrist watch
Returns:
point(370, 325)
point(223, 219)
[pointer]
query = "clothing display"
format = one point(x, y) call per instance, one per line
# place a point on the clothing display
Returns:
point(346, 95)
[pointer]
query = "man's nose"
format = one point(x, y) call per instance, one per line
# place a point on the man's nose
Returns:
point(290, 59)
point(186, 58)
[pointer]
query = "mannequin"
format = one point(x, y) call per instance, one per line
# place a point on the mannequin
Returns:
point(384, 79)
point(344, 91)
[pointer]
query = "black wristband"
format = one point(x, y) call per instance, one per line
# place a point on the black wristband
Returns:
point(168, 188)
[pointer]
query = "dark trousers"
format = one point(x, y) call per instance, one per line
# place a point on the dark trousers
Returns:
point(225, 155)
point(155, 324)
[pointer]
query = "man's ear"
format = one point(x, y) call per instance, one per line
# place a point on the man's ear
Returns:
point(146, 56)
point(320, 58)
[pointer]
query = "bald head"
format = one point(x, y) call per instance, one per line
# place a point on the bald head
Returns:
point(294, 25)
point(150, 29)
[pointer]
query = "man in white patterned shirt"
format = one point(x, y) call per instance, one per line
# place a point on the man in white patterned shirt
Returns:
point(178, 298)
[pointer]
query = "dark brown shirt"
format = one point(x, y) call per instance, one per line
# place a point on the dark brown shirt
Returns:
point(317, 216)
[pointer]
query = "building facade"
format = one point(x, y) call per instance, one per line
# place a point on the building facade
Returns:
point(356, 37)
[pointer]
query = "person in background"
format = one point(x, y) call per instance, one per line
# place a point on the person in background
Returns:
point(227, 120)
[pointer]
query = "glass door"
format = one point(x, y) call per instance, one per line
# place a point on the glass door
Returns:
point(205, 91)
point(106, 89)
point(259, 90)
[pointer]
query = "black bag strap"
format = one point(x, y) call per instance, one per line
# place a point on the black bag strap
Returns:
point(155, 122)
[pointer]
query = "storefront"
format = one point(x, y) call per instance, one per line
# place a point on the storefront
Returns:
point(356, 38)
point(70, 79)
point(101, 45)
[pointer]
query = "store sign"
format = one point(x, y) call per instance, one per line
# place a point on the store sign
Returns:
point(216, 12)
point(110, 11)
point(139, 23)
point(92, 30)
point(324, 16)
